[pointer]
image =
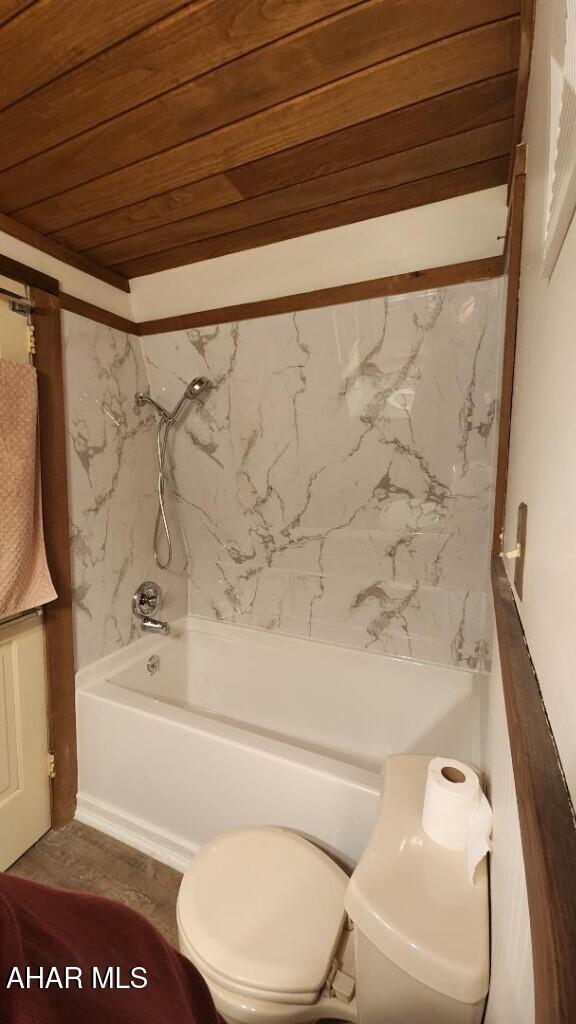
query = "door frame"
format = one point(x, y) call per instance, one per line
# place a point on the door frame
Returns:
point(58, 625)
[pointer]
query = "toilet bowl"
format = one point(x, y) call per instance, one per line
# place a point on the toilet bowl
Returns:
point(281, 934)
point(262, 916)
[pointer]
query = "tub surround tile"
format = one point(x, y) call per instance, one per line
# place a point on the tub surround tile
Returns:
point(337, 482)
point(112, 483)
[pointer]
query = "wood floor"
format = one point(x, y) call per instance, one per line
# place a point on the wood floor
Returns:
point(78, 857)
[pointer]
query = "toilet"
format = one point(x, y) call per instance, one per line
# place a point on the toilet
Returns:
point(282, 934)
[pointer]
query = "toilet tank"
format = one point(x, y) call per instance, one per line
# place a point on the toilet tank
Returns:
point(421, 927)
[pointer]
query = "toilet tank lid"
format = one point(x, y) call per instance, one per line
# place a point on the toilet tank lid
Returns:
point(411, 898)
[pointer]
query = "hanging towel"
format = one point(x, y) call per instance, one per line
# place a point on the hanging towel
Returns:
point(24, 576)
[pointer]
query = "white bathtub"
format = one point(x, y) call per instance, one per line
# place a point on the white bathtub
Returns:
point(241, 727)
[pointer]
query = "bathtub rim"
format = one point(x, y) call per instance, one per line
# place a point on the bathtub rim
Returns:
point(230, 631)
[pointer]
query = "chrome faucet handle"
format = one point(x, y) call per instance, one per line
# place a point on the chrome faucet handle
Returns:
point(147, 599)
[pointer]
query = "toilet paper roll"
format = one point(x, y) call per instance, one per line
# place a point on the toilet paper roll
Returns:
point(456, 814)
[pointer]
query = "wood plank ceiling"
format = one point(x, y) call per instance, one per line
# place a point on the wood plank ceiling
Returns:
point(146, 134)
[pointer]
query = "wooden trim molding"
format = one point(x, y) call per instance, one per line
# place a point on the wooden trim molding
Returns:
point(398, 284)
point(512, 266)
point(58, 629)
point(527, 18)
point(23, 233)
point(547, 820)
point(101, 316)
point(27, 275)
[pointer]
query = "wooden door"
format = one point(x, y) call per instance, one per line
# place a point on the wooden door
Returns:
point(24, 762)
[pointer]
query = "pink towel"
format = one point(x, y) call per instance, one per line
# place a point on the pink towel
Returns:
point(24, 576)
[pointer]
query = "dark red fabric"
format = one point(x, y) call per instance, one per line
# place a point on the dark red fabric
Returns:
point(45, 927)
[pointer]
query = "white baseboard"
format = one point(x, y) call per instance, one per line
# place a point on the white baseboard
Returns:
point(157, 843)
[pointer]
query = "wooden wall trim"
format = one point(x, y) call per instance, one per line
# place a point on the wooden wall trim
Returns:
point(547, 821)
point(512, 266)
point(398, 284)
point(101, 316)
point(527, 18)
point(23, 233)
point(27, 275)
point(58, 629)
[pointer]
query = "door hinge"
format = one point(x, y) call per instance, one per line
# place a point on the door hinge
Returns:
point(51, 766)
point(22, 306)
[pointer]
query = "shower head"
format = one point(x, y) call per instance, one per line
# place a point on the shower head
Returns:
point(197, 386)
point(193, 390)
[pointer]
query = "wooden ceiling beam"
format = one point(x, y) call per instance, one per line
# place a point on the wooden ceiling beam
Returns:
point(322, 53)
point(443, 186)
point(440, 117)
point(10, 8)
point(449, 114)
point(53, 36)
point(208, 194)
point(172, 131)
point(416, 164)
point(176, 49)
point(430, 71)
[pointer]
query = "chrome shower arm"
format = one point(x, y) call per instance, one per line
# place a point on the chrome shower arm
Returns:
point(142, 399)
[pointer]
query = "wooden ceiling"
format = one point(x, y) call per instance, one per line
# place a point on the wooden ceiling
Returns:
point(146, 134)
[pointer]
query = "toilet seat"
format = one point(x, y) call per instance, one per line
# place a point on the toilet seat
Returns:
point(260, 912)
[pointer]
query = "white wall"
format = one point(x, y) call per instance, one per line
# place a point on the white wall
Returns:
point(511, 999)
point(459, 229)
point(73, 281)
point(543, 450)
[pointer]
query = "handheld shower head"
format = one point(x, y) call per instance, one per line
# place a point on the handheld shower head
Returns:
point(197, 386)
point(193, 390)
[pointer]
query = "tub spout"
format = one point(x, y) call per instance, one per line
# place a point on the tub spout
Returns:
point(148, 625)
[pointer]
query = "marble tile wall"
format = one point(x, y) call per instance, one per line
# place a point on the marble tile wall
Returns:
point(337, 482)
point(112, 487)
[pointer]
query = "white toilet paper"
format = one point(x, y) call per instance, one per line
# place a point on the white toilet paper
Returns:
point(456, 814)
